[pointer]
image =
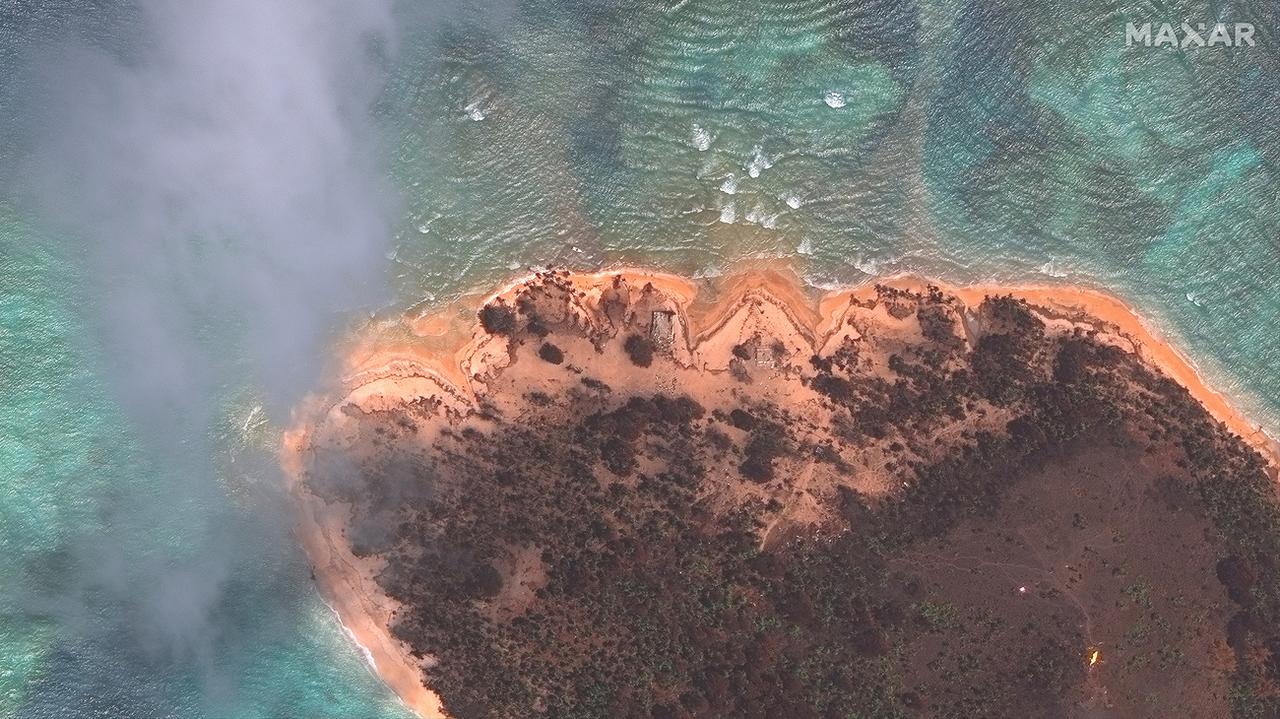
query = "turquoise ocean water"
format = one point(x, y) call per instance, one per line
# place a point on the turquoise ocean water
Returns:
point(971, 141)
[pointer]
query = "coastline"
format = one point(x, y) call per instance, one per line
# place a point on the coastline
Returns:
point(454, 354)
point(1112, 315)
point(347, 587)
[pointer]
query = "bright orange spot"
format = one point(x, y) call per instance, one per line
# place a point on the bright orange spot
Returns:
point(1093, 658)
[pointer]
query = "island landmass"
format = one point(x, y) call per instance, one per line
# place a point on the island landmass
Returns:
point(628, 494)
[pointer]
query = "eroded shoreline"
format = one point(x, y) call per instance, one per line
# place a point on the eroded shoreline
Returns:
point(451, 356)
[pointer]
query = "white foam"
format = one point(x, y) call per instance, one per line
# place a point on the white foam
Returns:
point(1194, 299)
point(805, 247)
point(756, 216)
point(826, 285)
point(759, 162)
point(474, 112)
point(730, 185)
point(700, 138)
point(792, 200)
point(834, 99)
point(249, 423)
point(1052, 269)
point(867, 265)
point(707, 272)
point(728, 213)
point(368, 655)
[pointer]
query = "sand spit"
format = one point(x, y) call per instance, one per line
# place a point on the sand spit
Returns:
point(448, 357)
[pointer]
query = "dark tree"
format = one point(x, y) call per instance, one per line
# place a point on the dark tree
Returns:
point(551, 353)
point(640, 350)
point(498, 319)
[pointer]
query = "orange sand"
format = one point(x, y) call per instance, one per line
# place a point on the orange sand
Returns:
point(450, 350)
point(347, 585)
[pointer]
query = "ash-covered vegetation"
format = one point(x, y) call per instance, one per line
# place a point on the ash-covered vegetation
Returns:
point(578, 559)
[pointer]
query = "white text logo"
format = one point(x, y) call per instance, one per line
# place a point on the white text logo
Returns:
point(1186, 36)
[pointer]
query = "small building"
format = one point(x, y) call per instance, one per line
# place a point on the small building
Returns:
point(662, 329)
point(764, 356)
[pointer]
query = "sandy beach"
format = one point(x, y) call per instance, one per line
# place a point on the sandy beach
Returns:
point(1113, 316)
point(347, 586)
point(447, 355)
